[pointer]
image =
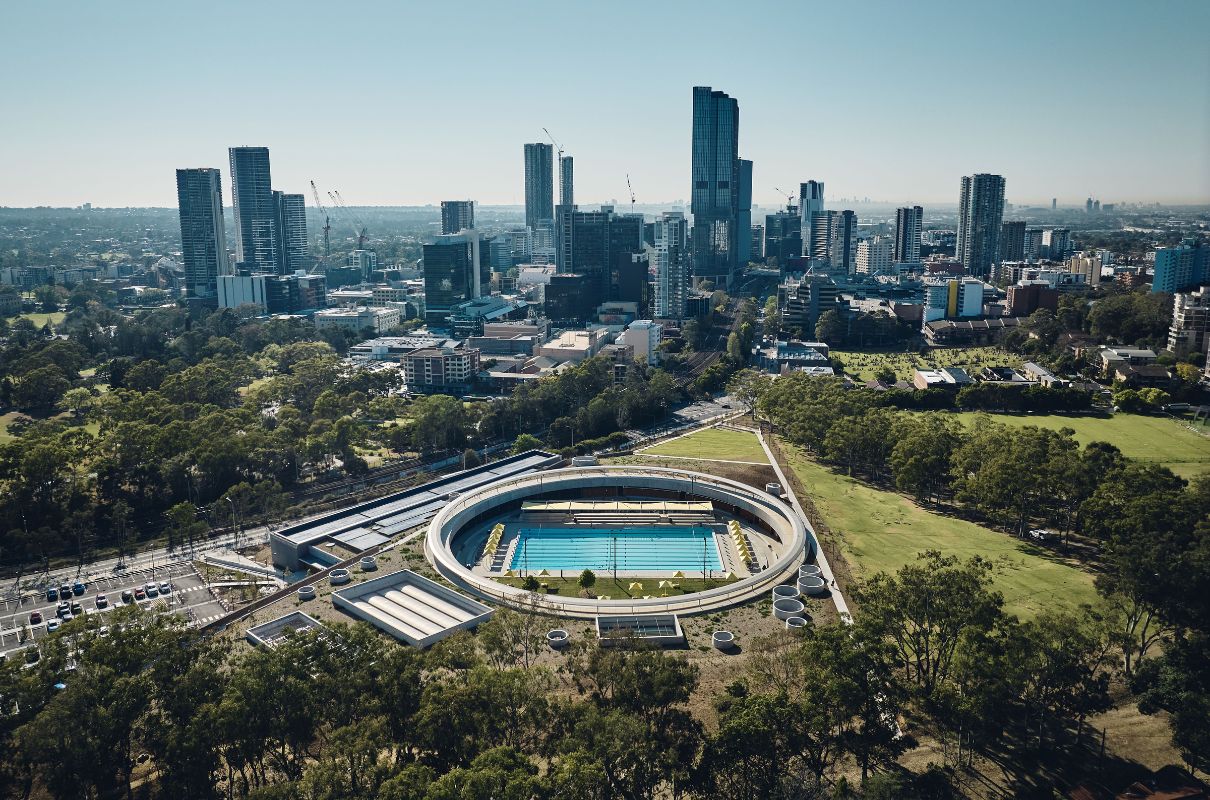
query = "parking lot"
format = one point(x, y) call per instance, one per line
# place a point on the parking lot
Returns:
point(190, 597)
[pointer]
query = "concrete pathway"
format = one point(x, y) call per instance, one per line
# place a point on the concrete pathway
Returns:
point(822, 560)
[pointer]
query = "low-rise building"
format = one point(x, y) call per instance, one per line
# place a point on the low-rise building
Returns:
point(951, 332)
point(359, 318)
point(1114, 357)
point(1036, 373)
point(643, 337)
point(945, 378)
point(574, 346)
point(790, 356)
point(446, 369)
point(1028, 296)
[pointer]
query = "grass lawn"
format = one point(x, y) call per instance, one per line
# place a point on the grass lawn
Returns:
point(605, 585)
point(881, 531)
point(1156, 439)
point(863, 366)
point(39, 319)
point(713, 444)
point(5, 419)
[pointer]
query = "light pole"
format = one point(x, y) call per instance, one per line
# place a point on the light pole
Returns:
point(234, 523)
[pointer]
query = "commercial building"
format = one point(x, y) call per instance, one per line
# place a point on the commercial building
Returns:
point(643, 336)
point(567, 298)
point(810, 203)
point(366, 261)
point(757, 248)
point(203, 239)
point(291, 229)
point(952, 299)
point(874, 255)
point(1028, 296)
point(803, 301)
point(1190, 322)
point(795, 356)
point(603, 245)
point(783, 237)
point(567, 193)
point(743, 214)
point(980, 214)
point(453, 274)
point(1012, 240)
point(951, 378)
point(834, 242)
point(539, 185)
point(575, 346)
point(715, 188)
point(375, 320)
point(274, 294)
point(457, 216)
point(256, 237)
point(670, 263)
point(909, 222)
point(1057, 243)
point(440, 369)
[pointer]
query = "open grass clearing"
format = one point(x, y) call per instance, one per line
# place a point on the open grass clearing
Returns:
point(865, 365)
point(1158, 440)
point(713, 444)
point(40, 318)
point(880, 531)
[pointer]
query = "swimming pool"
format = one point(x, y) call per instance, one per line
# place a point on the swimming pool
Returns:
point(663, 548)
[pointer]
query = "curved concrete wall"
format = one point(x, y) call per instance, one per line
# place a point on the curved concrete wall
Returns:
point(460, 511)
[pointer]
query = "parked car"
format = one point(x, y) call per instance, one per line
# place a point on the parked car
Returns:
point(35, 618)
point(127, 596)
point(152, 590)
point(165, 588)
point(64, 608)
point(52, 594)
point(52, 625)
point(102, 601)
point(77, 609)
point(65, 592)
point(67, 616)
point(78, 589)
point(139, 594)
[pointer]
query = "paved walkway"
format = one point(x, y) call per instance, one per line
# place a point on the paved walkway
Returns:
point(822, 560)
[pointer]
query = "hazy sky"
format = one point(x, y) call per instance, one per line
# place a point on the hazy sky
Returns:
point(399, 103)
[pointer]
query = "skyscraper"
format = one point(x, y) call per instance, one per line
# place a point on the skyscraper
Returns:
point(567, 192)
point(453, 274)
point(980, 212)
point(714, 194)
point(843, 251)
point(670, 264)
point(255, 214)
point(874, 255)
point(1012, 241)
point(810, 203)
point(290, 224)
point(908, 223)
point(457, 215)
point(743, 214)
point(203, 239)
point(539, 185)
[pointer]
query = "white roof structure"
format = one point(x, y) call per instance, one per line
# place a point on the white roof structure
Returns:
point(411, 607)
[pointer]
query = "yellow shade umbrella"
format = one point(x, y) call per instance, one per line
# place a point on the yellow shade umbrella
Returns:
point(678, 574)
point(543, 574)
point(635, 587)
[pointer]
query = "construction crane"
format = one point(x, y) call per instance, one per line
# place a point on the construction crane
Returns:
point(789, 199)
point(359, 227)
point(327, 222)
point(558, 146)
point(629, 189)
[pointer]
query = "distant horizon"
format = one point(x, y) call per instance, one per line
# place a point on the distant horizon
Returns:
point(899, 100)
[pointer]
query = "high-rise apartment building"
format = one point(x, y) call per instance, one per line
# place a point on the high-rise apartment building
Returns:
point(757, 248)
point(567, 193)
point(453, 274)
point(1088, 265)
point(1190, 322)
point(1057, 243)
point(203, 239)
point(290, 226)
point(834, 246)
point(715, 191)
point(1031, 244)
point(457, 215)
point(256, 236)
point(1181, 267)
point(743, 215)
point(1012, 241)
point(875, 255)
point(670, 265)
point(539, 185)
point(909, 221)
point(980, 214)
point(810, 203)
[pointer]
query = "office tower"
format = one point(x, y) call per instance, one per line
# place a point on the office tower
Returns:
point(567, 192)
point(539, 185)
point(783, 237)
point(810, 203)
point(909, 221)
point(874, 255)
point(743, 215)
point(1054, 203)
point(203, 241)
point(757, 248)
point(1031, 244)
point(980, 213)
point(1088, 206)
point(1012, 241)
point(670, 265)
point(453, 274)
point(255, 216)
point(457, 215)
point(843, 250)
point(600, 245)
point(1057, 243)
point(290, 225)
point(714, 194)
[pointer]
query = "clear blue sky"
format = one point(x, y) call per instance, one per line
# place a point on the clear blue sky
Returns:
point(410, 103)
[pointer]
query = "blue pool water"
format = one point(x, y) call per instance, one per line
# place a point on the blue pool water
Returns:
point(663, 548)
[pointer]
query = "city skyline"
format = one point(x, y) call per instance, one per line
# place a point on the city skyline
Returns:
point(83, 136)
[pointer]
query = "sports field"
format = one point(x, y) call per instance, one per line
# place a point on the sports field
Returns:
point(881, 531)
point(713, 444)
point(864, 366)
point(1156, 439)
